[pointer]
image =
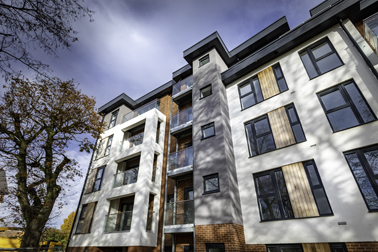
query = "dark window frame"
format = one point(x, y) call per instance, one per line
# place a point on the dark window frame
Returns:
point(313, 60)
point(108, 146)
point(277, 79)
point(253, 91)
point(334, 246)
point(102, 168)
point(211, 176)
point(113, 120)
point(214, 246)
point(252, 122)
point(81, 218)
point(278, 246)
point(292, 124)
point(201, 60)
point(349, 103)
point(188, 248)
point(368, 170)
point(206, 126)
point(211, 91)
point(314, 187)
point(276, 193)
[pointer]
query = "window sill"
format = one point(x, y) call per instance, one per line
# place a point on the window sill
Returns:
point(210, 192)
point(310, 217)
point(264, 100)
point(277, 149)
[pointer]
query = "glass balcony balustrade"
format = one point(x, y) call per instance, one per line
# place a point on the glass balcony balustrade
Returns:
point(132, 141)
point(181, 158)
point(182, 118)
point(179, 213)
point(118, 222)
point(371, 31)
point(182, 85)
point(143, 109)
point(127, 177)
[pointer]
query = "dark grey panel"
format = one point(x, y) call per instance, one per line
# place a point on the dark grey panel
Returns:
point(322, 6)
point(182, 73)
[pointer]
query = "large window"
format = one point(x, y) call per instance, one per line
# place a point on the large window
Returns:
point(277, 129)
point(211, 183)
point(320, 58)
point(272, 195)
point(266, 84)
point(103, 148)
point(108, 145)
point(364, 166)
point(293, 191)
point(98, 179)
point(345, 106)
point(113, 119)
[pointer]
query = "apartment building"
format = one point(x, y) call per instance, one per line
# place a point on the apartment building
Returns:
point(272, 146)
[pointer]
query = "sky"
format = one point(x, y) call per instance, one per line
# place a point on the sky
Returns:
point(133, 46)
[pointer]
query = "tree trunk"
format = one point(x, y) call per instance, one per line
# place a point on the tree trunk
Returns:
point(32, 235)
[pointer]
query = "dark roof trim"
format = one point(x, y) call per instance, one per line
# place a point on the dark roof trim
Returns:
point(124, 99)
point(265, 36)
point(322, 6)
point(300, 34)
point(182, 73)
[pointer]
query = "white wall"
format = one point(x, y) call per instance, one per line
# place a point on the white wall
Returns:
point(137, 236)
point(322, 145)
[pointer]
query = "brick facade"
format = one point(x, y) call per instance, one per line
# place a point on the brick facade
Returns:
point(362, 246)
point(182, 240)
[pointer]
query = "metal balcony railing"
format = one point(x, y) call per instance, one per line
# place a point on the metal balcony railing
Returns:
point(179, 213)
point(141, 110)
point(181, 158)
point(150, 215)
point(181, 118)
point(182, 85)
point(125, 178)
point(118, 222)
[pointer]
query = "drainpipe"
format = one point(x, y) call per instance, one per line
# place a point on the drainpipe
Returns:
point(372, 69)
point(81, 196)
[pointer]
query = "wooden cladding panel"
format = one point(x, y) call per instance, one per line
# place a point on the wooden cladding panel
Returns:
point(88, 218)
point(281, 129)
point(301, 198)
point(316, 247)
point(90, 181)
point(268, 83)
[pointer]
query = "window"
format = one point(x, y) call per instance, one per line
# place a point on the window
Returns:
point(281, 82)
point(364, 166)
point(371, 31)
point(206, 91)
point(272, 195)
point(320, 58)
point(250, 93)
point(345, 106)
point(317, 188)
point(204, 60)
point(215, 247)
point(211, 183)
point(108, 145)
point(208, 130)
point(98, 179)
point(295, 123)
point(188, 248)
point(338, 247)
point(85, 218)
point(259, 135)
point(284, 248)
point(113, 119)
point(292, 191)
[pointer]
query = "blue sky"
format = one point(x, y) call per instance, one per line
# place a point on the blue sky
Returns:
point(134, 46)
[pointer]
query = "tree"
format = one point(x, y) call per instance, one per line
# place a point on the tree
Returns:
point(38, 120)
point(68, 222)
point(31, 24)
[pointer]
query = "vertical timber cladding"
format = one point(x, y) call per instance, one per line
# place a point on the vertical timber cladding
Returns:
point(268, 83)
point(281, 129)
point(301, 198)
point(88, 217)
point(316, 247)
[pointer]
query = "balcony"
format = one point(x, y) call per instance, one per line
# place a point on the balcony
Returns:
point(118, 222)
point(371, 31)
point(180, 162)
point(182, 88)
point(126, 178)
point(132, 141)
point(179, 217)
point(141, 110)
point(182, 121)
